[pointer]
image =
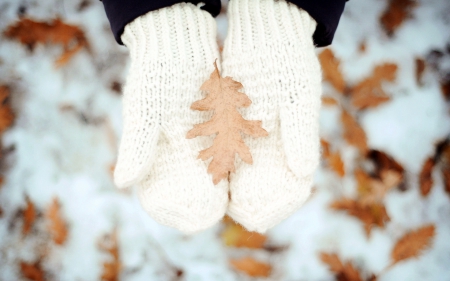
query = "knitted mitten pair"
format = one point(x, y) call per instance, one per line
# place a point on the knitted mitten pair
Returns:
point(268, 49)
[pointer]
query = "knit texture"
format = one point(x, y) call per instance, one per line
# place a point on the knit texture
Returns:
point(269, 49)
point(172, 52)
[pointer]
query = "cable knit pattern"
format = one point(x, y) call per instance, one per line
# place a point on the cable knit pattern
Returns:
point(269, 49)
point(172, 53)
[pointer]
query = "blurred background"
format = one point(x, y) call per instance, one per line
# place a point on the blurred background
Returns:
point(381, 203)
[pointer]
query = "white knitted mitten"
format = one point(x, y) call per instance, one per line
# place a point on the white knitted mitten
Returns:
point(172, 53)
point(269, 49)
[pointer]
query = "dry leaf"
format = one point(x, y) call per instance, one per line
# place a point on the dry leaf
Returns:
point(373, 190)
point(331, 70)
point(30, 32)
point(224, 98)
point(444, 157)
point(353, 133)
point(236, 236)
point(420, 68)
point(56, 225)
point(369, 92)
point(29, 215)
point(113, 267)
point(32, 271)
point(370, 215)
point(384, 162)
point(6, 114)
point(445, 88)
point(396, 12)
point(251, 267)
point(362, 47)
point(413, 243)
point(343, 272)
point(328, 101)
point(336, 163)
point(425, 177)
point(325, 148)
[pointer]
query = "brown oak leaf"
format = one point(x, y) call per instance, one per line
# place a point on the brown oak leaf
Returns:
point(369, 215)
point(113, 267)
point(396, 12)
point(6, 113)
point(251, 267)
point(342, 271)
point(29, 215)
point(236, 236)
point(353, 133)
point(56, 225)
point(425, 177)
point(373, 190)
point(369, 92)
point(32, 271)
point(412, 244)
point(331, 70)
point(30, 32)
point(224, 98)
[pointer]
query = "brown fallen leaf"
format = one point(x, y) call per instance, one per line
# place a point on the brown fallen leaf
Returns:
point(396, 13)
point(329, 101)
point(362, 47)
point(369, 92)
point(29, 215)
point(373, 190)
point(445, 88)
point(420, 68)
point(342, 272)
point(445, 165)
point(325, 148)
point(235, 235)
point(336, 164)
point(251, 267)
point(30, 32)
point(384, 162)
point(412, 244)
point(425, 177)
point(113, 267)
point(369, 215)
point(331, 70)
point(56, 225)
point(32, 271)
point(224, 98)
point(6, 113)
point(353, 133)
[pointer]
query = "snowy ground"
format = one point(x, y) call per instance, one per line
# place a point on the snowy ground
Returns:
point(68, 122)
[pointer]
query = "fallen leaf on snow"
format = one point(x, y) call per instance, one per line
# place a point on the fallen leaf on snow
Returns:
point(396, 13)
point(56, 225)
point(30, 32)
point(412, 244)
point(251, 267)
point(29, 215)
point(331, 70)
point(236, 236)
point(425, 177)
point(369, 215)
point(343, 272)
point(369, 92)
point(353, 133)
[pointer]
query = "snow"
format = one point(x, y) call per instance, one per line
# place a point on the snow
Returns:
point(68, 125)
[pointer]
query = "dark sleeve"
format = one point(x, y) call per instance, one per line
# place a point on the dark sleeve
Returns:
point(327, 14)
point(122, 12)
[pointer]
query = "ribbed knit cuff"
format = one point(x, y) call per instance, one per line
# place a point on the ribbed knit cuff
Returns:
point(267, 24)
point(182, 33)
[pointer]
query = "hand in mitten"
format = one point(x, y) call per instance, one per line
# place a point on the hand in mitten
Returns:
point(269, 49)
point(172, 53)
